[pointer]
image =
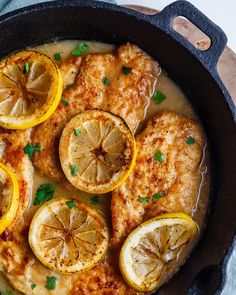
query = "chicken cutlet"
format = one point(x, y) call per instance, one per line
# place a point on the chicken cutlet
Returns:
point(166, 177)
point(12, 154)
point(130, 77)
point(17, 262)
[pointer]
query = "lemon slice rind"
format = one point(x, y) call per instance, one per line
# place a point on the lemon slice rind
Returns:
point(14, 84)
point(64, 249)
point(104, 152)
point(133, 242)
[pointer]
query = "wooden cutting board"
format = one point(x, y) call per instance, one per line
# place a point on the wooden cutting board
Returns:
point(227, 63)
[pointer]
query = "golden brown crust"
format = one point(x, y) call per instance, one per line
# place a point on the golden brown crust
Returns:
point(126, 96)
point(178, 178)
point(12, 154)
point(13, 245)
point(103, 279)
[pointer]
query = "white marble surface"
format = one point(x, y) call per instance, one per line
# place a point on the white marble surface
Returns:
point(223, 14)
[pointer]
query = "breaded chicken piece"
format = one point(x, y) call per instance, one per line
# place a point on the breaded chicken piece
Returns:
point(12, 154)
point(103, 279)
point(126, 95)
point(17, 262)
point(177, 178)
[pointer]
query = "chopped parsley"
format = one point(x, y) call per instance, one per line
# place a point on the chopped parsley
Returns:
point(158, 156)
point(106, 81)
point(51, 283)
point(7, 292)
point(144, 200)
point(44, 193)
point(71, 204)
point(190, 140)
point(33, 286)
point(77, 132)
point(26, 68)
point(126, 70)
point(57, 56)
point(64, 101)
point(157, 196)
point(30, 149)
point(94, 200)
point(79, 49)
point(159, 97)
point(73, 169)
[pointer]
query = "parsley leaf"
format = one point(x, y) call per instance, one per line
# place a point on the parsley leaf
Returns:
point(157, 196)
point(44, 193)
point(144, 200)
point(7, 292)
point(37, 147)
point(33, 286)
point(26, 68)
point(94, 200)
point(77, 132)
point(57, 56)
point(79, 49)
point(64, 101)
point(106, 81)
point(190, 140)
point(30, 149)
point(126, 70)
point(73, 169)
point(158, 156)
point(51, 283)
point(159, 97)
point(71, 204)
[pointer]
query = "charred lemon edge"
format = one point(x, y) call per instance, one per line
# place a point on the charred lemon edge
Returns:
point(47, 109)
point(126, 174)
point(100, 257)
point(164, 216)
point(7, 219)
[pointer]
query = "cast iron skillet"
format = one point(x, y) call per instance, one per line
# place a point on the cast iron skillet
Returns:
point(194, 70)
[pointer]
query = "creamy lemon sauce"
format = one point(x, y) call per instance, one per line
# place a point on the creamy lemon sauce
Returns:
point(176, 101)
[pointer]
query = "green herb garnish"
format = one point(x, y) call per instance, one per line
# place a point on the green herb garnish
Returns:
point(51, 283)
point(94, 200)
point(73, 169)
point(157, 196)
point(64, 101)
point(77, 132)
point(37, 147)
point(44, 193)
point(126, 70)
point(30, 149)
point(159, 97)
point(144, 200)
point(57, 56)
point(106, 81)
point(33, 286)
point(7, 292)
point(79, 49)
point(26, 68)
point(159, 157)
point(190, 140)
point(71, 204)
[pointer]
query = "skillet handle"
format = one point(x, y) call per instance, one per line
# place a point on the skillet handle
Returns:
point(165, 19)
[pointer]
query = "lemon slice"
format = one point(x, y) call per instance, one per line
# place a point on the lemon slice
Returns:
point(68, 236)
point(97, 151)
point(9, 191)
point(149, 254)
point(30, 89)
